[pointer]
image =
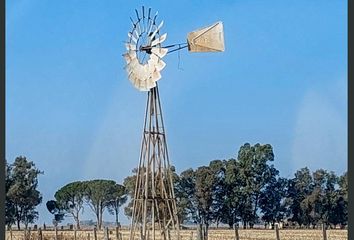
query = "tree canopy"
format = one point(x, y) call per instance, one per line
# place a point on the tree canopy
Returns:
point(22, 195)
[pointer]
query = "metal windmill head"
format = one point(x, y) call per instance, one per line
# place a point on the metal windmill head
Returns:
point(145, 52)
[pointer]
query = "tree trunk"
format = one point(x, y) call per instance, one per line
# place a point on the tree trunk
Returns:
point(18, 224)
point(117, 222)
point(101, 213)
point(98, 218)
point(76, 218)
point(100, 209)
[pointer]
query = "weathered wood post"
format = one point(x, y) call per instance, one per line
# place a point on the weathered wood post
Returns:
point(191, 235)
point(95, 233)
point(277, 231)
point(40, 237)
point(199, 232)
point(29, 234)
point(75, 234)
point(236, 232)
point(205, 232)
point(10, 233)
point(88, 236)
point(56, 232)
point(106, 233)
point(117, 232)
point(324, 233)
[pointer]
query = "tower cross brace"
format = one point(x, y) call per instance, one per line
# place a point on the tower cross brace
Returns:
point(154, 214)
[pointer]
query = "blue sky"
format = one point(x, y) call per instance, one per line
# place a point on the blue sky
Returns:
point(70, 108)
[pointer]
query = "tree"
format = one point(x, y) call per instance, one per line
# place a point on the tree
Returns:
point(54, 208)
point(299, 188)
point(256, 173)
point(129, 184)
point(272, 201)
point(118, 198)
point(340, 208)
point(70, 199)
point(22, 194)
point(234, 201)
point(185, 195)
point(323, 196)
point(9, 206)
point(219, 195)
point(98, 195)
point(205, 183)
point(198, 187)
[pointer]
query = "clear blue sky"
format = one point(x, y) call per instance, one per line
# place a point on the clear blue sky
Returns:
point(71, 109)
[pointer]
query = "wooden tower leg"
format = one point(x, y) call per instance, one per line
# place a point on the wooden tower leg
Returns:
point(154, 205)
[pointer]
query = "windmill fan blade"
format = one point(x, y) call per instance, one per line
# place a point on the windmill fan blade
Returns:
point(131, 66)
point(160, 52)
point(133, 79)
point(151, 65)
point(143, 86)
point(159, 40)
point(136, 34)
point(156, 76)
point(130, 47)
point(129, 56)
point(151, 83)
point(149, 12)
point(131, 36)
point(155, 16)
point(138, 29)
point(157, 29)
point(160, 65)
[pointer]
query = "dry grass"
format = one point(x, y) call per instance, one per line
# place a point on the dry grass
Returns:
point(248, 234)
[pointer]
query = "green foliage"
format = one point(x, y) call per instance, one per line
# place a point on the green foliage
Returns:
point(340, 210)
point(185, 194)
point(160, 206)
point(272, 201)
point(22, 195)
point(195, 193)
point(317, 198)
point(70, 199)
point(54, 208)
point(249, 189)
point(129, 184)
point(99, 194)
point(9, 206)
point(255, 173)
point(298, 189)
point(117, 199)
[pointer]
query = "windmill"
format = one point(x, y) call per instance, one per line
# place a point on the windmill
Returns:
point(154, 212)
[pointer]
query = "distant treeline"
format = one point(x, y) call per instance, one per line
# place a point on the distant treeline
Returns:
point(245, 191)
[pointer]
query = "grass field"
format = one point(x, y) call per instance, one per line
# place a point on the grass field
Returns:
point(249, 234)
